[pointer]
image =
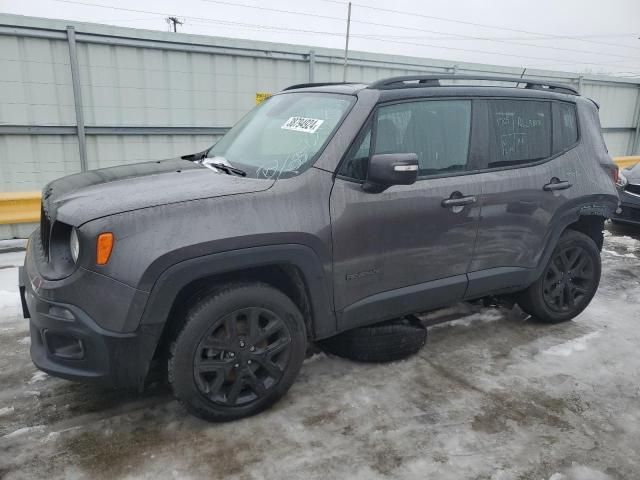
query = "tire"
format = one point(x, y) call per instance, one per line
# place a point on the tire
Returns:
point(384, 342)
point(568, 282)
point(239, 351)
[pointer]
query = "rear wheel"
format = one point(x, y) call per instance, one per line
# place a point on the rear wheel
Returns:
point(238, 352)
point(568, 283)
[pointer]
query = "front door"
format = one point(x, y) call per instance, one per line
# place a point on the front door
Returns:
point(409, 247)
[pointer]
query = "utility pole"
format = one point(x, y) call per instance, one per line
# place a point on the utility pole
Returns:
point(346, 44)
point(174, 21)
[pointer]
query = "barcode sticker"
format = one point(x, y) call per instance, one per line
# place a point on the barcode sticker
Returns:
point(302, 124)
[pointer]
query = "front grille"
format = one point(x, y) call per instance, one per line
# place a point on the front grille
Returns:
point(635, 189)
point(45, 231)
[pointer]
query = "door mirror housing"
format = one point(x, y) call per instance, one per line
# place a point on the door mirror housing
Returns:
point(387, 169)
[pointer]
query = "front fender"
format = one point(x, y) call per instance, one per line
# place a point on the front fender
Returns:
point(178, 276)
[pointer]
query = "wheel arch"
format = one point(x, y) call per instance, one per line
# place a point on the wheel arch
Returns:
point(586, 215)
point(293, 269)
point(592, 226)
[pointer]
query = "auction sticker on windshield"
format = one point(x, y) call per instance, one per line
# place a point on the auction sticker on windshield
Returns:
point(302, 124)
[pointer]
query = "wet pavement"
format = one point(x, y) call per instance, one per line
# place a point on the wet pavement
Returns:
point(493, 395)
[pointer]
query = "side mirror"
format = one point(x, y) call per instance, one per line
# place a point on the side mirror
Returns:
point(390, 169)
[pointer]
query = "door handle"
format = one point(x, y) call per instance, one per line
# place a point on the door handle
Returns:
point(458, 201)
point(556, 185)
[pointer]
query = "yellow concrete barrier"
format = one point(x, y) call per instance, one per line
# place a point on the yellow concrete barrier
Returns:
point(626, 162)
point(19, 207)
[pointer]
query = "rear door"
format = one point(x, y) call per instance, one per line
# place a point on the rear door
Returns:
point(531, 171)
point(405, 248)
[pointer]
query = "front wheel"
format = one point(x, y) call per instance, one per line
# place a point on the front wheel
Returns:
point(568, 283)
point(239, 351)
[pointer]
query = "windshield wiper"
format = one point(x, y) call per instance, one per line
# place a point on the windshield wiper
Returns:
point(228, 169)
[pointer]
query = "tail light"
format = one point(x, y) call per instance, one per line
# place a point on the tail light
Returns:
point(615, 172)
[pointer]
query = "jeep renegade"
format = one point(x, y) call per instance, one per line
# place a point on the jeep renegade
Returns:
point(327, 208)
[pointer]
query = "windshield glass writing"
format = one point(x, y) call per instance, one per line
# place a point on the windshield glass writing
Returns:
point(283, 136)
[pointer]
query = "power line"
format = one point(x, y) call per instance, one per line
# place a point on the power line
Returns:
point(376, 37)
point(289, 30)
point(370, 37)
point(529, 37)
point(483, 25)
point(556, 61)
point(363, 22)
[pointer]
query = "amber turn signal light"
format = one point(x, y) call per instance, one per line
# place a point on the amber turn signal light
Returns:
point(104, 247)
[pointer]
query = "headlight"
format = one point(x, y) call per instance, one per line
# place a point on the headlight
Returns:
point(74, 245)
point(622, 180)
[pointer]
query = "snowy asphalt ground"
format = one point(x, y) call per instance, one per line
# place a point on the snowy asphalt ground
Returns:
point(493, 395)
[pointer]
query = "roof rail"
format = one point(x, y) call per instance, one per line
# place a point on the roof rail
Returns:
point(434, 81)
point(322, 84)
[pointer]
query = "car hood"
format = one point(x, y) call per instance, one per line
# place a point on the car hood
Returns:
point(633, 174)
point(82, 197)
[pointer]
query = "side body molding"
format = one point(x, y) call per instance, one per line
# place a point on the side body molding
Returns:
point(176, 277)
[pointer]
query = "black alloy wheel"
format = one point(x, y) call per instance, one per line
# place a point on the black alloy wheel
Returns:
point(568, 282)
point(569, 278)
point(239, 350)
point(242, 356)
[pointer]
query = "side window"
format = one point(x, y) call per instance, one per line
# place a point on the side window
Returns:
point(520, 132)
point(357, 159)
point(565, 126)
point(437, 131)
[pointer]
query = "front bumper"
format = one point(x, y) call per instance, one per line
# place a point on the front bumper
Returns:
point(630, 209)
point(67, 342)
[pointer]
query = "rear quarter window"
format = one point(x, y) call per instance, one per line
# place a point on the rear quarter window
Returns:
point(520, 132)
point(565, 126)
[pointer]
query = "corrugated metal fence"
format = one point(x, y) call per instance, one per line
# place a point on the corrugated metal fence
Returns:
point(79, 96)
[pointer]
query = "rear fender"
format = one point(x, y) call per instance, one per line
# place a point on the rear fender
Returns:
point(598, 205)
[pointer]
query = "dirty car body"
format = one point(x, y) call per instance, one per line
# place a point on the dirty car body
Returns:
point(307, 219)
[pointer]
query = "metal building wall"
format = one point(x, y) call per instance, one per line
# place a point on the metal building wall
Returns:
point(142, 95)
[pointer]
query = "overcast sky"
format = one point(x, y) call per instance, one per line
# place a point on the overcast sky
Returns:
point(597, 36)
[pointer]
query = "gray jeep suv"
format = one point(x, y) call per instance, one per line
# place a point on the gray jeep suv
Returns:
point(325, 211)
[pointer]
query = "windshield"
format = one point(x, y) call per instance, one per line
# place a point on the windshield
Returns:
point(283, 136)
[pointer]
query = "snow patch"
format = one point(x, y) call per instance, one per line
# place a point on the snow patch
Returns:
point(623, 240)
point(622, 243)
point(616, 254)
point(576, 345)
point(10, 306)
point(51, 437)
point(580, 472)
point(490, 315)
point(5, 411)
point(13, 243)
point(24, 431)
point(38, 377)
point(8, 299)
point(315, 357)
point(25, 341)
